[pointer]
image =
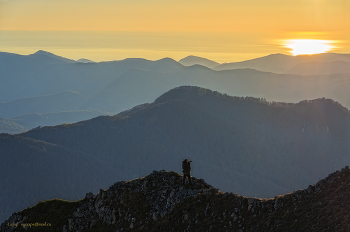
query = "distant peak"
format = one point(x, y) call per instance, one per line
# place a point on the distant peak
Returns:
point(167, 59)
point(193, 60)
point(44, 54)
point(192, 56)
point(274, 55)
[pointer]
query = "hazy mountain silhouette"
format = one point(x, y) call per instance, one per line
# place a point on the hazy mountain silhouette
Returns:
point(280, 63)
point(63, 101)
point(162, 65)
point(47, 76)
point(43, 56)
point(245, 145)
point(320, 68)
point(192, 60)
point(25, 122)
point(40, 56)
point(91, 78)
point(121, 94)
point(131, 88)
point(40, 83)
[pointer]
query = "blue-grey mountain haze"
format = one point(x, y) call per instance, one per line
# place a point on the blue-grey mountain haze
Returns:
point(46, 83)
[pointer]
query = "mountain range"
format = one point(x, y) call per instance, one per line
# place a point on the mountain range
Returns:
point(45, 83)
point(281, 63)
point(244, 145)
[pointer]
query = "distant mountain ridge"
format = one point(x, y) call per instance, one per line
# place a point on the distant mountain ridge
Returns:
point(62, 101)
point(117, 86)
point(280, 63)
point(54, 77)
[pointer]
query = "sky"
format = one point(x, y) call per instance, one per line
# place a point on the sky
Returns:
point(269, 22)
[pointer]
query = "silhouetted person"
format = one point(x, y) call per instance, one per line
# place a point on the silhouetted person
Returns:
point(186, 169)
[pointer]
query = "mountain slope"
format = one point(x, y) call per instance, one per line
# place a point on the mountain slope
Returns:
point(226, 135)
point(47, 57)
point(159, 202)
point(320, 68)
point(276, 63)
point(33, 170)
point(280, 63)
point(62, 101)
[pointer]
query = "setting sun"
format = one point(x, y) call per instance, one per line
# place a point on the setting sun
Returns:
point(308, 46)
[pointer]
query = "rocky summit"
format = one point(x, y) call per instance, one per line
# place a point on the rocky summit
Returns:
point(160, 202)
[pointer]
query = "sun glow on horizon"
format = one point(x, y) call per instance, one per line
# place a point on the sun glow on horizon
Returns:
point(309, 46)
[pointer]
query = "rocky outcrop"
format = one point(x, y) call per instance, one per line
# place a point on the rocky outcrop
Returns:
point(159, 202)
point(139, 203)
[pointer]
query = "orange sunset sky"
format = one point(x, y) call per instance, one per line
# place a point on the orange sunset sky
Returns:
point(247, 28)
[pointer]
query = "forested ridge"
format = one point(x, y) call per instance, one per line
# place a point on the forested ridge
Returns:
point(244, 135)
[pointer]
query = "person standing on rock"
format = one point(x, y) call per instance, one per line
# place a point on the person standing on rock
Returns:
point(186, 169)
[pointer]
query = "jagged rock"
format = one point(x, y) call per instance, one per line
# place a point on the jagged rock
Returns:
point(89, 196)
point(159, 202)
point(309, 189)
point(154, 217)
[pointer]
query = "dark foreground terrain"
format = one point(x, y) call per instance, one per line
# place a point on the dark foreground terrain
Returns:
point(159, 202)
